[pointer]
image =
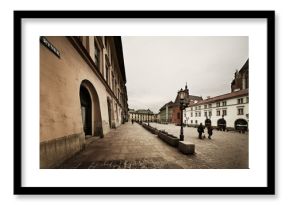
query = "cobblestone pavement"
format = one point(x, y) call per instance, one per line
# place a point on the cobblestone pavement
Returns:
point(226, 150)
point(132, 147)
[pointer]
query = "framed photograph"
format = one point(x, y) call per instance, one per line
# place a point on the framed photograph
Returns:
point(144, 102)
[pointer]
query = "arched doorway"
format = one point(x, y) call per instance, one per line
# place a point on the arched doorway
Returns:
point(86, 109)
point(90, 110)
point(207, 122)
point(222, 124)
point(241, 125)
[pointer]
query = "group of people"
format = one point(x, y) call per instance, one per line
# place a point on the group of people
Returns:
point(200, 130)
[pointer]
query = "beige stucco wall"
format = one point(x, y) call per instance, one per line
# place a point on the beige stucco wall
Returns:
point(60, 80)
point(61, 127)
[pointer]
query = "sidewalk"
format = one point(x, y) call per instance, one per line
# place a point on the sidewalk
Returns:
point(132, 147)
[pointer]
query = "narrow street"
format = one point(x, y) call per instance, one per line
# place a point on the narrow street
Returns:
point(132, 147)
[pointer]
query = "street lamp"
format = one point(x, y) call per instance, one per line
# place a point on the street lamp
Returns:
point(183, 99)
point(148, 117)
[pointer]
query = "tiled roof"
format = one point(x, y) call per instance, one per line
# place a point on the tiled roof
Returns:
point(222, 97)
point(164, 106)
point(245, 66)
point(191, 98)
point(143, 111)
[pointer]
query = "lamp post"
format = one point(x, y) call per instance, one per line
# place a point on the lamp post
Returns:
point(183, 99)
point(148, 117)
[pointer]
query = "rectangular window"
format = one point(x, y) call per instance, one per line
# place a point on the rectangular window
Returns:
point(107, 74)
point(196, 114)
point(97, 56)
point(199, 107)
point(195, 121)
point(191, 114)
point(191, 121)
point(205, 106)
point(218, 113)
point(199, 114)
point(209, 105)
point(224, 112)
point(113, 79)
point(191, 108)
point(240, 111)
point(205, 114)
point(218, 104)
point(240, 101)
point(196, 108)
point(209, 113)
point(224, 103)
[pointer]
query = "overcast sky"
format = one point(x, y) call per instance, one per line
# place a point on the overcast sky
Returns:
point(157, 67)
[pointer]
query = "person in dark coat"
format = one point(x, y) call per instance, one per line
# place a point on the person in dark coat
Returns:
point(209, 131)
point(132, 121)
point(200, 130)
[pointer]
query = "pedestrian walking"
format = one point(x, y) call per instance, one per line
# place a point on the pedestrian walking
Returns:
point(209, 131)
point(132, 121)
point(200, 130)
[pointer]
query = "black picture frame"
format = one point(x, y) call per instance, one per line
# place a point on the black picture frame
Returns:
point(19, 189)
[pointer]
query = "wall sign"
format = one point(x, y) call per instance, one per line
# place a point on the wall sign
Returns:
point(48, 45)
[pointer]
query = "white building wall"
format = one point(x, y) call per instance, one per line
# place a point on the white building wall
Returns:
point(231, 116)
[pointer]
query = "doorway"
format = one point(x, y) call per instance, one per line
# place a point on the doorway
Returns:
point(90, 110)
point(86, 109)
point(241, 125)
point(222, 124)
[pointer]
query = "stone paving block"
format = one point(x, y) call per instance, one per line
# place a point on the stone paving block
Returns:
point(186, 147)
point(133, 147)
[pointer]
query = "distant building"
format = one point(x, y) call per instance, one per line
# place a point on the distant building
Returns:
point(170, 112)
point(230, 110)
point(176, 117)
point(241, 78)
point(165, 112)
point(142, 115)
point(82, 93)
point(157, 117)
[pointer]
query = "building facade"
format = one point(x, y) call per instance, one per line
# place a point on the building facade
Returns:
point(176, 112)
point(82, 93)
point(142, 115)
point(241, 79)
point(229, 111)
point(171, 113)
point(165, 113)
